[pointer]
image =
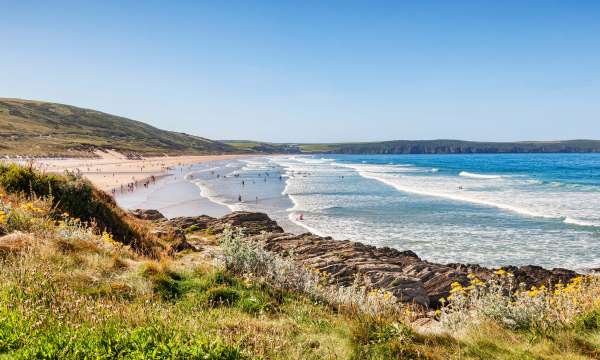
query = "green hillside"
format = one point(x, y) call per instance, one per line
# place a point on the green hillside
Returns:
point(456, 147)
point(421, 147)
point(42, 128)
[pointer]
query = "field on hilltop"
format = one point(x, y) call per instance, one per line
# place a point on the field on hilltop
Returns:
point(39, 128)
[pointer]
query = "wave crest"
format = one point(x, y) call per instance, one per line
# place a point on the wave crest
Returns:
point(478, 176)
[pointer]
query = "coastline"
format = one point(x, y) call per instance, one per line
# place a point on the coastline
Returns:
point(111, 170)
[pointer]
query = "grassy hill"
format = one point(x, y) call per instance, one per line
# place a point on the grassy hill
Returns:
point(42, 128)
point(455, 147)
point(421, 147)
point(263, 147)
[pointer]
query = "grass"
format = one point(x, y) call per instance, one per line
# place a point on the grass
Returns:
point(41, 129)
point(68, 290)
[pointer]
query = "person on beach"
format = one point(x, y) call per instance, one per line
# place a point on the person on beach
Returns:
point(239, 198)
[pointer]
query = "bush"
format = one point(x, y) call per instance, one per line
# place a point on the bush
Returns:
point(512, 306)
point(589, 321)
point(80, 199)
point(222, 296)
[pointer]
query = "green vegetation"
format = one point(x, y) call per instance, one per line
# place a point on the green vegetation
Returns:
point(77, 197)
point(456, 147)
point(69, 290)
point(425, 147)
point(263, 147)
point(46, 129)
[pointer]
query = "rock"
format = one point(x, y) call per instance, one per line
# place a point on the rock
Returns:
point(184, 245)
point(169, 233)
point(403, 273)
point(410, 278)
point(197, 222)
point(144, 214)
point(252, 223)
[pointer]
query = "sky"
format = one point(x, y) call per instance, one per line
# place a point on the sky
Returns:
point(315, 71)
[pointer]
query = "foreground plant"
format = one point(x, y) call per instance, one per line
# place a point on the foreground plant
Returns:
point(513, 306)
point(249, 258)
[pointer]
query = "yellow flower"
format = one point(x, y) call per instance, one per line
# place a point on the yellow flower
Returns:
point(3, 217)
point(455, 284)
point(500, 272)
point(438, 313)
point(476, 282)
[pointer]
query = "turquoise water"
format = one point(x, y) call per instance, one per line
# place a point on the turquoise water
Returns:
point(541, 209)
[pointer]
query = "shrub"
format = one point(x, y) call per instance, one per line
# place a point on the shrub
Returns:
point(248, 258)
point(222, 296)
point(515, 307)
point(77, 197)
point(589, 321)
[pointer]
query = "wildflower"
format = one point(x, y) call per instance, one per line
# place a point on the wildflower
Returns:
point(477, 282)
point(500, 272)
point(3, 217)
point(438, 313)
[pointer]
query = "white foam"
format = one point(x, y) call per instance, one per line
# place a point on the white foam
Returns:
point(573, 221)
point(453, 196)
point(478, 176)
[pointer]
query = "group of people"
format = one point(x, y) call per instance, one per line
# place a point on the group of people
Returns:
point(132, 186)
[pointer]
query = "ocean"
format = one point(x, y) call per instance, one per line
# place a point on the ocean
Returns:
point(489, 209)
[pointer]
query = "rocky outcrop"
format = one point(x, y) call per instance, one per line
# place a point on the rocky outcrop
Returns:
point(402, 273)
point(201, 222)
point(410, 278)
point(143, 214)
point(252, 223)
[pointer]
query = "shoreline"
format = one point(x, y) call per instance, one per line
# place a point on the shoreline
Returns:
point(112, 170)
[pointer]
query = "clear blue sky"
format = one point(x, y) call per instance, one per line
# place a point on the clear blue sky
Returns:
point(313, 71)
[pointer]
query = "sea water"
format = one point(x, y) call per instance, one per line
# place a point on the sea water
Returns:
point(494, 210)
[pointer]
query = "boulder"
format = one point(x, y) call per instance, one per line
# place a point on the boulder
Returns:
point(252, 223)
point(147, 214)
point(198, 222)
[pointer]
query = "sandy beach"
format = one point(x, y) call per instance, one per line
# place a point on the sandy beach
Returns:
point(111, 170)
